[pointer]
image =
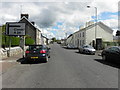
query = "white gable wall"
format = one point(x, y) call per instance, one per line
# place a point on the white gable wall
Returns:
point(100, 33)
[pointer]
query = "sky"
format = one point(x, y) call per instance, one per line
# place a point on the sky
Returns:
point(60, 18)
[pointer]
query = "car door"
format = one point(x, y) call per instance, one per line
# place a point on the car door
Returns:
point(108, 53)
point(113, 53)
point(116, 53)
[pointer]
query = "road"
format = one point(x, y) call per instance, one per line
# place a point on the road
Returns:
point(65, 69)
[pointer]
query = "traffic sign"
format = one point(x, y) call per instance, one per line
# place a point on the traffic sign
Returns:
point(15, 29)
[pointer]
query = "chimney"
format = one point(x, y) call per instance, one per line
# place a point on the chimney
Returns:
point(26, 15)
point(33, 23)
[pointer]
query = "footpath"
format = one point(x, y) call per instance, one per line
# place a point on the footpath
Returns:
point(9, 62)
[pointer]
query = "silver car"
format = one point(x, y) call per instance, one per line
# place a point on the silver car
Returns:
point(87, 49)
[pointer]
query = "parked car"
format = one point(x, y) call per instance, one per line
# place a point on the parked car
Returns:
point(37, 52)
point(87, 49)
point(111, 53)
point(70, 46)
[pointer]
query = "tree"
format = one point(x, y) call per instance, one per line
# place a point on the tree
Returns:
point(118, 33)
point(54, 39)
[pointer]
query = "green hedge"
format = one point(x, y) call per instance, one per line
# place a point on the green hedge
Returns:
point(106, 44)
point(15, 41)
point(29, 41)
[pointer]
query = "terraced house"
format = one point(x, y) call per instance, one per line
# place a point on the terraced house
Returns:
point(31, 30)
point(90, 35)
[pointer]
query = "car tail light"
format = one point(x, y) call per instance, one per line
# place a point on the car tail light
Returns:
point(42, 51)
point(27, 52)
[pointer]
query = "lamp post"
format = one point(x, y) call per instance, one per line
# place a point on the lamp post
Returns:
point(94, 24)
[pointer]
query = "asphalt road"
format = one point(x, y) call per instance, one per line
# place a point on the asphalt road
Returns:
point(65, 69)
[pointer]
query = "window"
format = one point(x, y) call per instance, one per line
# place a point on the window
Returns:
point(114, 49)
point(80, 42)
point(83, 34)
point(83, 42)
point(80, 34)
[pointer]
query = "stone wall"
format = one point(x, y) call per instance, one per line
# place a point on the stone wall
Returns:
point(13, 51)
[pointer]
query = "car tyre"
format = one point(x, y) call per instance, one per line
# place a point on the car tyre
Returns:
point(27, 61)
point(104, 57)
point(93, 53)
point(46, 59)
point(49, 56)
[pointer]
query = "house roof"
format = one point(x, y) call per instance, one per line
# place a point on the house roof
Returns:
point(24, 18)
point(102, 25)
point(44, 36)
point(69, 36)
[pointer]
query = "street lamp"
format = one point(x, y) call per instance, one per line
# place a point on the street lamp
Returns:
point(94, 24)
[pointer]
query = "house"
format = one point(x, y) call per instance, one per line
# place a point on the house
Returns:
point(69, 40)
point(31, 30)
point(90, 35)
point(44, 40)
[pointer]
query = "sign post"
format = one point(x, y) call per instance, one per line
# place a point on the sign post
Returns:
point(9, 46)
point(22, 44)
point(16, 29)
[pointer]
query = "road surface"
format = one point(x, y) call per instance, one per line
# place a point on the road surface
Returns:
point(65, 69)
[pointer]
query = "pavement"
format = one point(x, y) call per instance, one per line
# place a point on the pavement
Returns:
point(9, 62)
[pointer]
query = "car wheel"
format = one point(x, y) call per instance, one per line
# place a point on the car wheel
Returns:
point(46, 59)
point(49, 56)
point(104, 57)
point(93, 53)
point(84, 52)
point(27, 60)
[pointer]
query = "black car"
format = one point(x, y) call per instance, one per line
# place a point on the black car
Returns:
point(37, 52)
point(111, 53)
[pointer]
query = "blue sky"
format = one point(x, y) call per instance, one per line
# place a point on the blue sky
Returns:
point(105, 16)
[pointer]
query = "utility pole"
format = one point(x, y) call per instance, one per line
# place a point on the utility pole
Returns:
point(95, 24)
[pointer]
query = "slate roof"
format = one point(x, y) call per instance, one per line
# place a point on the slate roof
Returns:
point(24, 18)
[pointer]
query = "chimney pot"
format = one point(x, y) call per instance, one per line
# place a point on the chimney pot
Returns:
point(26, 15)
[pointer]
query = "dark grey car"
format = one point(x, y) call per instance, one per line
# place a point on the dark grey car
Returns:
point(37, 53)
point(111, 53)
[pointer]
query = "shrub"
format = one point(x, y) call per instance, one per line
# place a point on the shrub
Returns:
point(107, 44)
point(29, 41)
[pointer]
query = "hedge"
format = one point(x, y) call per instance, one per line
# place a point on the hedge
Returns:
point(106, 44)
point(15, 41)
point(29, 41)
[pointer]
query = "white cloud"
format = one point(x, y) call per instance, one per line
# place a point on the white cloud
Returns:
point(112, 23)
point(46, 15)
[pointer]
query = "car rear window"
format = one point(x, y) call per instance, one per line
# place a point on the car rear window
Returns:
point(35, 47)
